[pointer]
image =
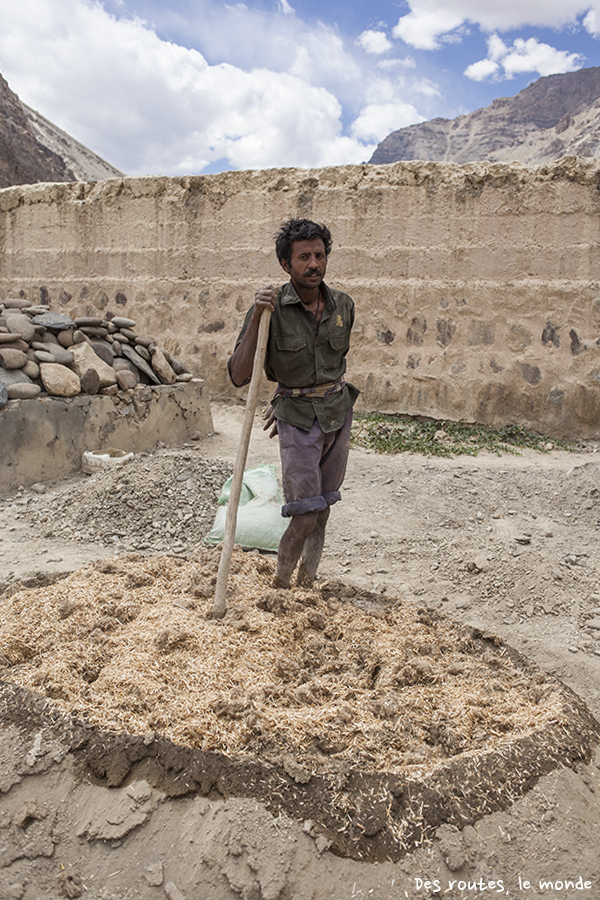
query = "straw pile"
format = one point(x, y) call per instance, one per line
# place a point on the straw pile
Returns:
point(308, 676)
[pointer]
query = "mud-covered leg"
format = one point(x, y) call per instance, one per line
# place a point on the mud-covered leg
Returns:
point(312, 550)
point(290, 546)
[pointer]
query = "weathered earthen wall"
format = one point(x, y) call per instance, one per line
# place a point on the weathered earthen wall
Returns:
point(44, 438)
point(477, 286)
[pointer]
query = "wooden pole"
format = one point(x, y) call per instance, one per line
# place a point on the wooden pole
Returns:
point(219, 607)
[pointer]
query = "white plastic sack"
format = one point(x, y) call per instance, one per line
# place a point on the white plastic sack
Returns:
point(259, 523)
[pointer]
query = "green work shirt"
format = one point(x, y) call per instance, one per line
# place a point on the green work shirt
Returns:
point(302, 354)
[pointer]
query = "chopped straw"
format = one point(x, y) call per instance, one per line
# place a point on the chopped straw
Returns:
point(128, 645)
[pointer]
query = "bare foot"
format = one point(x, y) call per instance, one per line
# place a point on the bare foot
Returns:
point(304, 578)
point(280, 583)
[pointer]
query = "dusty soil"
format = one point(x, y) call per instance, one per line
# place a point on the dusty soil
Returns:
point(499, 544)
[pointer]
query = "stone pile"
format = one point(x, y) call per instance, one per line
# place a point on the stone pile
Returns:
point(42, 351)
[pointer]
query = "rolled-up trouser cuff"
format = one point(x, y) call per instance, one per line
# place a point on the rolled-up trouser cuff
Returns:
point(310, 504)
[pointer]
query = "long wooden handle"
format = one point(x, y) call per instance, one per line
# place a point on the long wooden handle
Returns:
point(219, 607)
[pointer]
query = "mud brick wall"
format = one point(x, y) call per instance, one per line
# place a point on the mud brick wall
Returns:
point(477, 287)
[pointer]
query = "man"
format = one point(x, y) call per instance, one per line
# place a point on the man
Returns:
point(309, 336)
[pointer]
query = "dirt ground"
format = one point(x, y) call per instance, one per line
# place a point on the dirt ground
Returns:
point(506, 544)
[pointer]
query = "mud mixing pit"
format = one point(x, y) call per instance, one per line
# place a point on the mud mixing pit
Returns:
point(370, 722)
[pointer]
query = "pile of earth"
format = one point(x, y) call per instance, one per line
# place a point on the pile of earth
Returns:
point(43, 351)
point(155, 501)
point(373, 722)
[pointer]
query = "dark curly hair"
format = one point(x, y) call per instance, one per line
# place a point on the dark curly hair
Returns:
point(299, 230)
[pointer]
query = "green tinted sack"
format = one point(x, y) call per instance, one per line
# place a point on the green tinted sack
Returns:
point(259, 523)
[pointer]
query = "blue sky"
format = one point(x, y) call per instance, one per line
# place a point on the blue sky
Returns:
point(191, 86)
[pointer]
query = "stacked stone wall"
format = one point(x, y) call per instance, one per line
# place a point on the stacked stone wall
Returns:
point(477, 287)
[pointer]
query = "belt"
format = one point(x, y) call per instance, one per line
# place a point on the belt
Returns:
point(328, 389)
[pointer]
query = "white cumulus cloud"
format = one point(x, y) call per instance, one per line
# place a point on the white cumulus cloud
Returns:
point(482, 69)
point(153, 106)
point(591, 23)
point(423, 27)
point(533, 56)
point(432, 22)
point(377, 120)
point(375, 42)
point(523, 56)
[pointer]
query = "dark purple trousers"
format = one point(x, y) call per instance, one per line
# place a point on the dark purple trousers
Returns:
point(313, 466)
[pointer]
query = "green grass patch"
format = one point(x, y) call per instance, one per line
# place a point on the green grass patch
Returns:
point(403, 434)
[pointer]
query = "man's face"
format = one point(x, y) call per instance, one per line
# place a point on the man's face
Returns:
point(308, 263)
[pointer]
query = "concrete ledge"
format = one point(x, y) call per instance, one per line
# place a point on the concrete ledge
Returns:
point(44, 438)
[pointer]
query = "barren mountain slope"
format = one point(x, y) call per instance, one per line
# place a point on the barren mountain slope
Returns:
point(23, 159)
point(32, 149)
point(555, 116)
point(84, 163)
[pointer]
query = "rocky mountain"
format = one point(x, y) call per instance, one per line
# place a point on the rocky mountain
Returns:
point(558, 115)
point(32, 149)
